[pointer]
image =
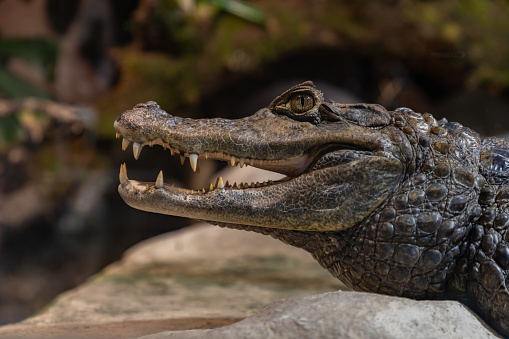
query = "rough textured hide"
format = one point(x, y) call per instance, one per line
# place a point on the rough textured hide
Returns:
point(392, 202)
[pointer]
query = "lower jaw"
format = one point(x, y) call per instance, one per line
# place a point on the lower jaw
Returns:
point(135, 186)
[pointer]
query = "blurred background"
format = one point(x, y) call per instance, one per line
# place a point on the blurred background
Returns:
point(69, 68)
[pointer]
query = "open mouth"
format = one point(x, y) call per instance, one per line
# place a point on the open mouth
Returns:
point(291, 167)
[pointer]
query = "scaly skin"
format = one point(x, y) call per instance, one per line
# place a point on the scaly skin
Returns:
point(389, 202)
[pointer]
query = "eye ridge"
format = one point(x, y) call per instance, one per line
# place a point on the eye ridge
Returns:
point(301, 102)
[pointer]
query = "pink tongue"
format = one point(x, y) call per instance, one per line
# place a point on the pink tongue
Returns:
point(291, 167)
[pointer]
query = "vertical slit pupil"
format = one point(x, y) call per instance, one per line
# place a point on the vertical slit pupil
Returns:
point(301, 103)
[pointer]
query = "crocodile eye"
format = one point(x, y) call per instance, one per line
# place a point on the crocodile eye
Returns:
point(301, 102)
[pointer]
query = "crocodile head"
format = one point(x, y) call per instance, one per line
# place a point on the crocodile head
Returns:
point(341, 162)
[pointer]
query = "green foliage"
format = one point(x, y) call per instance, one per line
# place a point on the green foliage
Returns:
point(10, 131)
point(478, 29)
point(14, 87)
point(240, 9)
point(39, 54)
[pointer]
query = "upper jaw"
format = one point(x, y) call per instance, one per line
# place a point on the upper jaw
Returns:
point(237, 142)
point(263, 140)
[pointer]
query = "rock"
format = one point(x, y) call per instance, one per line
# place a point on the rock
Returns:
point(349, 315)
point(200, 277)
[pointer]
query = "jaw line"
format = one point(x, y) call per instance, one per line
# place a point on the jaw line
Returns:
point(134, 186)
point(292, 167)
point(304, 168)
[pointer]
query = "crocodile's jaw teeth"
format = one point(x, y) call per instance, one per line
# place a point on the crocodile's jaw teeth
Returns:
point(123, 174)
point(160, 180)
point(125, 144)
point(292, 166)
point(141, 187)
point(136, 150)
point(193, 160)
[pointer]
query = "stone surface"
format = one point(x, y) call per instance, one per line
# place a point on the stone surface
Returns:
point(349, 315)
point(201, 277)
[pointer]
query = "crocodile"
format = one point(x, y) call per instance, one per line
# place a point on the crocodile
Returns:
point(392, 202)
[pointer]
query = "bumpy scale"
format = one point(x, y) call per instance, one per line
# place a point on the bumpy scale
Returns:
point(392, 202)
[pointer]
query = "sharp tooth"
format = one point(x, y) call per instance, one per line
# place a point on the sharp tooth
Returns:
point(150, 143)
point(193, 160)
point(211, 187)
point(123, 174)
point(172, 152)
point(227, 184)
point(233, 160)
point(159, 180)
point(117, 135)
point(242, 161)
point(182, 158)
point(136, 150)
point(146, 187)
point(234, 185)
point(219, 183)
point(206, 155)
point(203, 190)
point(125, 143)
point(251, 162)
